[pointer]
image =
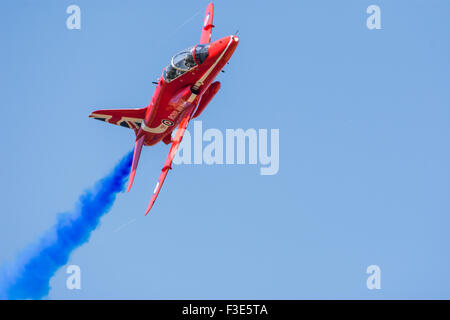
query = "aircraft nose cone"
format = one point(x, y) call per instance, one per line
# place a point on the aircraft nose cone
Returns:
point(219, 46)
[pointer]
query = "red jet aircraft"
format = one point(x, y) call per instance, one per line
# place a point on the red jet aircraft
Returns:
point(183, 91)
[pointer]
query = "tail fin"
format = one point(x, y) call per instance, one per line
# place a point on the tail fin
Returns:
point(136, 155)
point(207, 24)
point(128, 118)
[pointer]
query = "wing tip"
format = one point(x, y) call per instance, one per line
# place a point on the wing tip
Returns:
point(149, 207)
point(129, 186)
point(131, 179)
point(136, 156)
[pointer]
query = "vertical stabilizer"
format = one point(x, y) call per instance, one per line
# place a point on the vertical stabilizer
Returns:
point(207, 24)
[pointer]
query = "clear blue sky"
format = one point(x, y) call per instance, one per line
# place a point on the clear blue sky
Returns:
point(364, 148)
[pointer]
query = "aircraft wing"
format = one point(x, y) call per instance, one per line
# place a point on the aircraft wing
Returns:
point(207, 24)
point(173, 150)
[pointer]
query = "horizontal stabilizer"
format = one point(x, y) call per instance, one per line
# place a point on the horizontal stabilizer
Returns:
point(128, 118)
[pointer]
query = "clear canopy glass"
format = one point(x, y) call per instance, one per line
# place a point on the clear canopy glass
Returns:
point(185, 61)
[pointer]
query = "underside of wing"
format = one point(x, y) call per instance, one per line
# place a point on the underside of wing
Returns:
point(136, 155)
point(173, 150)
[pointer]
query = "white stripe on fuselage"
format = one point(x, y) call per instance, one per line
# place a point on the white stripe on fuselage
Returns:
point(159, 129)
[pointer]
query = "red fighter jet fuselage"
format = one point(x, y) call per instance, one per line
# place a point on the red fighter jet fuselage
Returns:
point(183, 91)
point(178, 92)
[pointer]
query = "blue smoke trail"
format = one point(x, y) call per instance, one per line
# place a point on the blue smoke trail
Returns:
point(29, 277)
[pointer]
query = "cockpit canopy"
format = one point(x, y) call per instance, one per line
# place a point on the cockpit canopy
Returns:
point(185, 61)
